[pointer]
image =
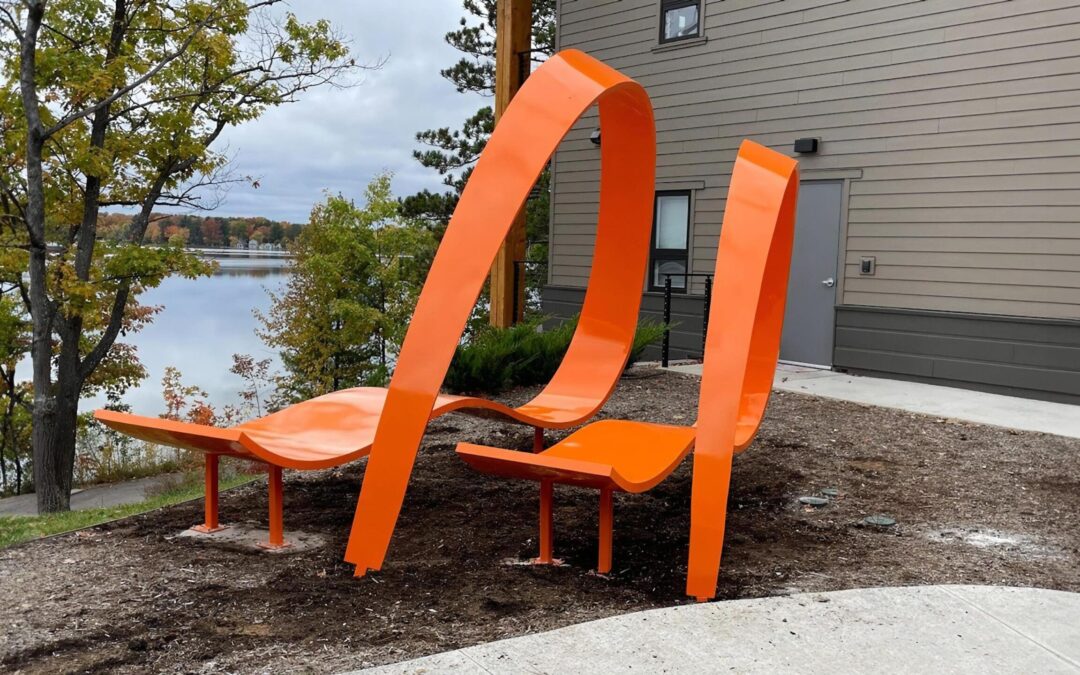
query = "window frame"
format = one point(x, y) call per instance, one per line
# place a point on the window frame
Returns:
point(670, 254)
point(668, 5)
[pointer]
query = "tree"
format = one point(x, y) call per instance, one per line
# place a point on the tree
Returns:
point(452, 153)
point(257, 378)
point(14, 395)
point(356, 274)
point(211, 232)
point(117, 103)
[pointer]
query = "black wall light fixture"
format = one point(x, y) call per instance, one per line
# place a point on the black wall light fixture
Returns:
point(806, 146)
point(595, 137)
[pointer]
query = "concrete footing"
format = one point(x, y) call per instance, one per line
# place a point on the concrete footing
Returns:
point(249, 536)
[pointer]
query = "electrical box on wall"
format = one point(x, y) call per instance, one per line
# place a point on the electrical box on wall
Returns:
point(868, 265)
point(806, 146)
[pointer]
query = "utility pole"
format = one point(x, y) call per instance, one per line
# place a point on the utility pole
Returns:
point(513, 42)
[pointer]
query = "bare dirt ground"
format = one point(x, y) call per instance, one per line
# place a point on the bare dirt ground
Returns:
point(974, 504)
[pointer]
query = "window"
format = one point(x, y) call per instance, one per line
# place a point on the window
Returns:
point(679, 20)
point(670, 250)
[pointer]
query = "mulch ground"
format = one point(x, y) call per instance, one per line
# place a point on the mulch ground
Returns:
point(974, 504)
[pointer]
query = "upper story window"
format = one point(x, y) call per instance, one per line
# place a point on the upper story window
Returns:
point(679, 20)
point(670, 250)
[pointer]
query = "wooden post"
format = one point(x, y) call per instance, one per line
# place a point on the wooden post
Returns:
point(513, 31)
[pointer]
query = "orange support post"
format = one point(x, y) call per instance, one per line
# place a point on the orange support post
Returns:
point(210, 524)
point(606, 508)
point(277, 528)
point(538, 439)
point(547, 490)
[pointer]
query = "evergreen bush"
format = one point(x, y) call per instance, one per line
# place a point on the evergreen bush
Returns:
point(495, 359)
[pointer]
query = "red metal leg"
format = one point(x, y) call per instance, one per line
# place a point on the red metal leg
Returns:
point(604, 565)
point(210, 524)
point(538, 439)
point(277, 529)
point(546, 492)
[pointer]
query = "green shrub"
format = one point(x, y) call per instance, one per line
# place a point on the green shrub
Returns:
point(495, 359)
point(648, 332)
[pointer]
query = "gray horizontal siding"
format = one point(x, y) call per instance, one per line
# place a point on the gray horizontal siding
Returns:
point(1027, 357)
point(686, 317)
point(964, 117)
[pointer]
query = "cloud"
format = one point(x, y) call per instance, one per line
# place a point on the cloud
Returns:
point(338, 139)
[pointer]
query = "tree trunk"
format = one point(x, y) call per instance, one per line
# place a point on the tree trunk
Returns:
point(54, 451)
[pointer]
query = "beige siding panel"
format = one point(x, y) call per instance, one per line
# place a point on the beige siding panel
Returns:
point(973, 305)
point(1032, 198)
point(885, 36)
point(918, 186)
point(988, 261)
point(984, 92)
point(972, 275)
point(1005, 214)
point(985, 291)
point(962, 117)
point(1008, 230)
point(968, 245)
point(1043, 166)
point(856, 23)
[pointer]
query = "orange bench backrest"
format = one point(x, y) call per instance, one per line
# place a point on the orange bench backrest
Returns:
point(743, 340)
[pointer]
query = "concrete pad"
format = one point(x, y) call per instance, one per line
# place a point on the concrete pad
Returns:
point(248, 536)
point(929, 399)
point(927, 629)
point(449, 662)
point(1055, 624)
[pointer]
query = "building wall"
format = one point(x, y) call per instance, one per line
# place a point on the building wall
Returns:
point(957, 123)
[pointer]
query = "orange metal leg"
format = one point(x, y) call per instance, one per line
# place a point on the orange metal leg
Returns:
point(210, 523)
point(604, 564)
point(547, 490)
point(277, 529)
point(538, 439)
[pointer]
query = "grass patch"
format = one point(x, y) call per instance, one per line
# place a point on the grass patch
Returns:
point(17, 529)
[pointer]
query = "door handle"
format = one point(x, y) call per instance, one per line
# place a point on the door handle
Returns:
point(830, 282)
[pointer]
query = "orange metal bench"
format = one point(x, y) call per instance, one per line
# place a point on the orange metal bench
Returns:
point(389, 423)
point(742, 346)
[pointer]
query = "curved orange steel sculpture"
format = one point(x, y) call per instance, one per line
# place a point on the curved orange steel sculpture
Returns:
point(342, 426)
point(542, 112)
point(741, 351)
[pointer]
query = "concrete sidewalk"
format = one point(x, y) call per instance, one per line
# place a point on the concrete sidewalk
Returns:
point(930, 629)
point(929, 399)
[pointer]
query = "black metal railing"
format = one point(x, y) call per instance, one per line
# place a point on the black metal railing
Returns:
point(665, 345)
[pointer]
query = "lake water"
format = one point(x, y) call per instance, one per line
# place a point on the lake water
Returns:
point(202, 324)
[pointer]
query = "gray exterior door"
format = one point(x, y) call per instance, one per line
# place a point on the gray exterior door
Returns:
point(809, 321)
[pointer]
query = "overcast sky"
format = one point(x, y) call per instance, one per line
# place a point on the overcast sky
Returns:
point(338, 139)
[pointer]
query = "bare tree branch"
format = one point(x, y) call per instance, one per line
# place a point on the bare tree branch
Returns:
point(12, 23)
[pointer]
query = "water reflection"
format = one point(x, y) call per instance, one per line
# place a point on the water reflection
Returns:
point(202, 324)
